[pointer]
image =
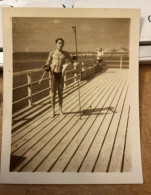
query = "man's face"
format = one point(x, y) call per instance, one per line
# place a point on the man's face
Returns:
point(60, 44)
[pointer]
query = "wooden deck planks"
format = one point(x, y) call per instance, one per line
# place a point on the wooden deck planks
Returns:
point(71, 144)
point(76, 161)
point(29, 114)
point(27, 128)
point(42, 129)
point(45, 122)
point(106, 148)
point(83, 130)
point(127, 161)
point(29, 144)
point(89, 164)
point(120, 139)
point(47, 149)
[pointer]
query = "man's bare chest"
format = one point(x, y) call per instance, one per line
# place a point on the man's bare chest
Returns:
point(58, 56)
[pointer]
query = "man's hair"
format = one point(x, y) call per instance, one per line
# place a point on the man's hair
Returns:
point(59, 40)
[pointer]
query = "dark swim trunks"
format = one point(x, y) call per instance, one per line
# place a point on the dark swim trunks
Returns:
point(99, 60)
point(57, 75)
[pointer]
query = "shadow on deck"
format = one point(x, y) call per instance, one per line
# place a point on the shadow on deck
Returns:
point(24, 113)
point(93, 140)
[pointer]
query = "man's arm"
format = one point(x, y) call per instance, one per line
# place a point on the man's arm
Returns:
point(47, 66)
point(68, 62)
point(49, 59)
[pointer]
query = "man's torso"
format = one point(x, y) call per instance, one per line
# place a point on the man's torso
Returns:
point(57, 60)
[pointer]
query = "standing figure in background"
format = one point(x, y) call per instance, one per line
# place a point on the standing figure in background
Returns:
point(99, 57)
point(58, 61)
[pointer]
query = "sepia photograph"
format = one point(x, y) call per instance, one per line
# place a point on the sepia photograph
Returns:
point(70, 94)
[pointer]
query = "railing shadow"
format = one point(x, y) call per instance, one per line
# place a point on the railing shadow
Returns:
point(26, 118)
point(42, 104)
point(15, 161)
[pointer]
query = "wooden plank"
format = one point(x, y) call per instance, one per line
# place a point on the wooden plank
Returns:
point(75, 152)
point(42, 120)
point(127, 161)
point(27, 71)
point(88, 164)
point(78, 158)
point(106, 148)
point(45, 166)
point(119, 143)
point(48, 137)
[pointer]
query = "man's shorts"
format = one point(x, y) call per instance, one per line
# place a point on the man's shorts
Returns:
point(99, 60)
point(57, 75)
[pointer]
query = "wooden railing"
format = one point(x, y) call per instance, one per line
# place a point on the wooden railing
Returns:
point(29, 85)
point(72, 75)
point(118, 59)
point(75, 75)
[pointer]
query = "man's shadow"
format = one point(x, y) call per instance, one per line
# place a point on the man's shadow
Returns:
point(93, 111)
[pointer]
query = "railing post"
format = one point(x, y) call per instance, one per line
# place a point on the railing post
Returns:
point(29, 81)
point(50, 83)
point(103, 60)
point(121, 61)
point(83, 67)
point(75, 72)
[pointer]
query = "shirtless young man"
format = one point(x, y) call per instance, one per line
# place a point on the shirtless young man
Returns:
point(58, 61)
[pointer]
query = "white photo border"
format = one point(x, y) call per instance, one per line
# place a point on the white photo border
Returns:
point(135, 176)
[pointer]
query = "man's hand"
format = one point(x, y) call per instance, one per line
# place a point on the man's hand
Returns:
point(64, 68)
point(46, 67)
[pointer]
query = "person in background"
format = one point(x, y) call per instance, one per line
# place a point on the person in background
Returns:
point(99, 57)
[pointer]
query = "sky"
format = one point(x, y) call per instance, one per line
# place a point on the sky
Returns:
point(39, 34)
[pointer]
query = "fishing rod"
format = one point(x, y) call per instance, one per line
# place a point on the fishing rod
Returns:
point(75, 33)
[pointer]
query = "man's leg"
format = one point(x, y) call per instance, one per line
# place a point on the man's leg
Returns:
point(53, 94)
point(60, 92)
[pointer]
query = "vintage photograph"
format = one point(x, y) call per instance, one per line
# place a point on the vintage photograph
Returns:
point(70, 84)
point(71, 105)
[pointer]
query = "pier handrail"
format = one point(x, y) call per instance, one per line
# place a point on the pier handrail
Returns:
point(84, 64)
point(30, 83)
point(119, 61)
point(27, 71)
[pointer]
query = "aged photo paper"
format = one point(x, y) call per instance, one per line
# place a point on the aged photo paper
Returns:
point(71, 107)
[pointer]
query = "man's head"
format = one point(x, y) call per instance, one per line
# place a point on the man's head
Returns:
point(59, 43)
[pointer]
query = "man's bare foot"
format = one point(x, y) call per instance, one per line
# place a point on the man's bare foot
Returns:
point(61, 113)
point(52, 114)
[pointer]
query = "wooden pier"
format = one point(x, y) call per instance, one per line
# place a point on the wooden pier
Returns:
point(98, 141)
